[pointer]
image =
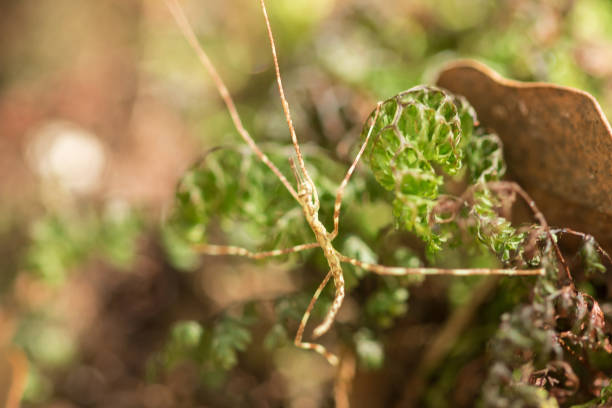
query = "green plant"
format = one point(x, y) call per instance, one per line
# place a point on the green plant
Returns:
point(420, 144)
point(412, 132)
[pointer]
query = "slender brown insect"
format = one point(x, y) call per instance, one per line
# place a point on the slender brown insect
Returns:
point(307, 197)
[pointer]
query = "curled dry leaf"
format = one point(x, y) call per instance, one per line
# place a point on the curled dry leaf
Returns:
point(579, 320)
point(557, 142)
point(558, 378)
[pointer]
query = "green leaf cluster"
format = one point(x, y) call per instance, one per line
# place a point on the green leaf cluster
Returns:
point(413, 133)
point(60, 243)
point(484, 157)
point(230, 197)
point(214, 348)
point(229, 186)
point(420, 138)
point(493, 231)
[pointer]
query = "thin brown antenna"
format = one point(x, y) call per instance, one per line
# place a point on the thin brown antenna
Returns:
point(187, 30)
point(281, 91)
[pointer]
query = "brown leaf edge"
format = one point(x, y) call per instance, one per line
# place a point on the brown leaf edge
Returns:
point(557, 142)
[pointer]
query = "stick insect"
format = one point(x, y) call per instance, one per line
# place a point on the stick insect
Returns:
point(307, 197)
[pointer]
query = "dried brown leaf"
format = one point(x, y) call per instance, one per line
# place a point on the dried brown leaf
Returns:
point(557, 142)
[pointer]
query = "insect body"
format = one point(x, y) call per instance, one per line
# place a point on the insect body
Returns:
point(307, 197)
point(309, 201)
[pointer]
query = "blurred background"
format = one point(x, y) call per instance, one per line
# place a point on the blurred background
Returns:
point(103, 107)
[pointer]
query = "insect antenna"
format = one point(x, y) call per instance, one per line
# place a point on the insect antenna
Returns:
point(285, 104)
point(183, 24)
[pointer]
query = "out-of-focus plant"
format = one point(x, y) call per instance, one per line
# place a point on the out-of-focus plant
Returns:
point(59, 243)
point(213, 348)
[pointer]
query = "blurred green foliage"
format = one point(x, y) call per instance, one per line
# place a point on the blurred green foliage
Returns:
point(369, 349)
point(61, 242)
point(213, 348)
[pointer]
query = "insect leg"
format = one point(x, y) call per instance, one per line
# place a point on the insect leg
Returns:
point(347, 177)
point(401, 271)
point(284, 102)
point(322, 328)
point(332, 358)
point(234, 250)
point(187, 30)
